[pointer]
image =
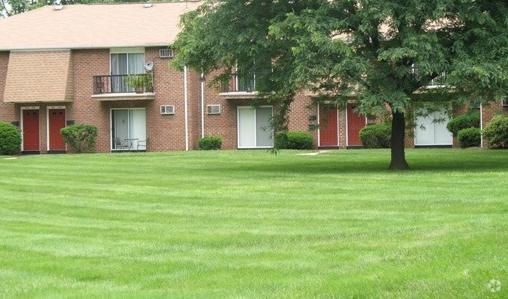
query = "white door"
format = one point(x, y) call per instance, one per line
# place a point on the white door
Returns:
point(128, 129)
point(431, 130)
point(254, 127)
point(246, 127)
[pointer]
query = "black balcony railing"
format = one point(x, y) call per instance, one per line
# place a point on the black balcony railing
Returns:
point(139, 83)
point(239, 84)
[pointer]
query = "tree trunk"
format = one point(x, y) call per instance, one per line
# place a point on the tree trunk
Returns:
point(398, 134)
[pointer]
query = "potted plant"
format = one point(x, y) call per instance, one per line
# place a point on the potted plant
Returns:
point(140, 83)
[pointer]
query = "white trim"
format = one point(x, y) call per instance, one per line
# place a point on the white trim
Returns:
point(202, 105)
point(186, 116)
point(481, 125)
point(21, 123)
point(128, 126)
point(47, 123)
point(319, 125)
point(134, 50)
point(255, 125)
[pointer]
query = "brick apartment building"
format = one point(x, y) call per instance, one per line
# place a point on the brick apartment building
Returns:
point(78, 64)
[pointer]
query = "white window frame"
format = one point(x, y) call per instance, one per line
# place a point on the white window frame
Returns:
point(425, 144)
point(47, 122)
point(125, 51)
point(255, 125)
point(128, 127)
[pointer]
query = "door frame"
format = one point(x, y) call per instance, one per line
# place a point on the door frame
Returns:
point(347, 125)
point(47, 123)
point(128, 126)
point(430, 145)
point(255, 125)
point(22, 108)
point(319, 126)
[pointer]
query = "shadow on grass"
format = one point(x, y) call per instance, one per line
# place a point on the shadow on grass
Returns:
point(494, 161)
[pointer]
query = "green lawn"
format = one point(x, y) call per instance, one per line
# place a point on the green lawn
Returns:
point(250, 224)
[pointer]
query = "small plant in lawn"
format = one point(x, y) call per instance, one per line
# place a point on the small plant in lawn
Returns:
point(464, 121)
point(10, 139)
point(80, 138)
point(469, 137)
point(496, 132)
point(376, 136)
point(210, 143)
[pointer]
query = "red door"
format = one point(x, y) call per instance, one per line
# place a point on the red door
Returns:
point(355, 122)
point(56, 123)
point(31, 130)
point(328, 136)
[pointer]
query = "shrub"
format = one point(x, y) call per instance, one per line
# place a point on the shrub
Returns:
point(469, 120)
point(376, 136)
point(80, 138)
point(10, 139)
point(496, 132)
point(210, 143)
point(281, 140)
point(469, 137)
point(298, 140)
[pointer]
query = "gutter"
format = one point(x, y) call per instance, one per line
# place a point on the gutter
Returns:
point(186, 113)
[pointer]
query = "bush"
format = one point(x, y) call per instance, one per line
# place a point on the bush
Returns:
point(281, 140)
point(80, 138)
point(210, 143)
point(469, 137)
point(10, 139)
point(298, 140)
point(376, 136)
point(496, 132)
point(469, 120)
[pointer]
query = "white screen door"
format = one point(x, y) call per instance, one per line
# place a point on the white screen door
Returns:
point(128, 129)
point(431, 130)
point(246, 127)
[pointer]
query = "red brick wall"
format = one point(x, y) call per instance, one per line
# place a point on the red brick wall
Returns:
point(7, 110)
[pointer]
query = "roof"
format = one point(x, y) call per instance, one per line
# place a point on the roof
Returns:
point(87, 26)
point(50, 71)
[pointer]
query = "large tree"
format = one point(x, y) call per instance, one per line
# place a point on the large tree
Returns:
point(379, 54)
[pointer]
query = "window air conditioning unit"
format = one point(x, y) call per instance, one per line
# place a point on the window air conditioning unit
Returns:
point(167, 109)
point(213, 109)
point(166, 53)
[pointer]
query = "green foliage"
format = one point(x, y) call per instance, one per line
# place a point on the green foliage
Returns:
point(469, 137)
point(210, 143)
point(496, 132)
point(140, 82)
point(383, 52)
point(10, 139)
point(281, 140)
point(376, 136)
point(80, 138)
point(294, 140)
point(469, 120)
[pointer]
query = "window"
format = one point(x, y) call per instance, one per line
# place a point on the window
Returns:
point(124, 64)
point(254, 127)
point(128, 128)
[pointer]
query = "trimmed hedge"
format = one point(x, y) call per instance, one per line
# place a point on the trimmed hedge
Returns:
point(496, 132)
point(210, 143)
point(80, 138)
point(10, 139)
point(294, 140)
point(464, 121)
point(376, 136)
point(469, 137)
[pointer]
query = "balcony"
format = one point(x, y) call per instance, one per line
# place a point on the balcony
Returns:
point(123, 87)
point(239, 88)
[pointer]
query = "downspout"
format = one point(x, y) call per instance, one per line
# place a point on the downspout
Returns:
point(202, 105)
point(481, 125)
point(186, 100)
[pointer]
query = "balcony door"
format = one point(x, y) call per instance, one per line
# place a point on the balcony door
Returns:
point(122, 65)
point(254, 127)
point(128, 129)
